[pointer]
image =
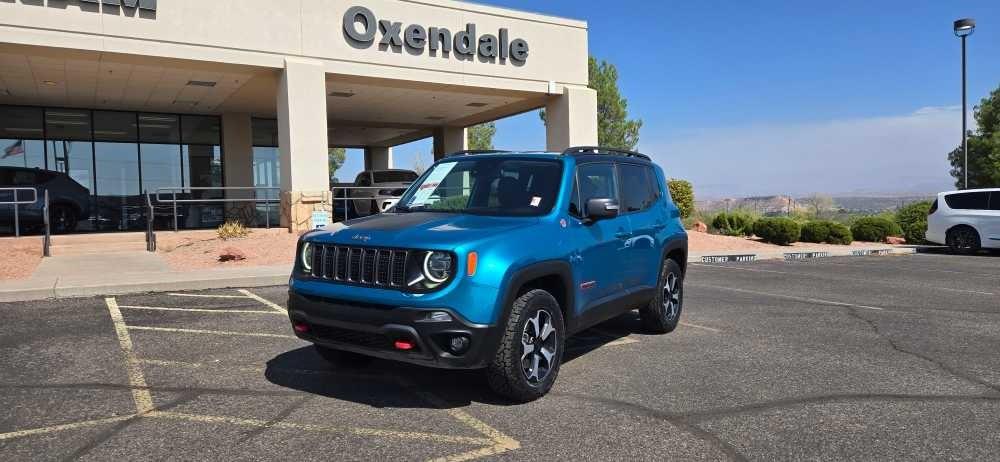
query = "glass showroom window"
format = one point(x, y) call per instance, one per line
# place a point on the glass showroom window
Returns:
point(20, 137)
point(201, 156)
point(266, 167)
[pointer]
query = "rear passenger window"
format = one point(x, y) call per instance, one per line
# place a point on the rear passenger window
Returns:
point(968, 201)
point(596, 181)
point(995, 200)
point(637, 191)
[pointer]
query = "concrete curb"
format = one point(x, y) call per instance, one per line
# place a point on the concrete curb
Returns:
point(167, 282)
point(803, 254)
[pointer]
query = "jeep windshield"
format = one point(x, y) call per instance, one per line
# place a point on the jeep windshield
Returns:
point(486, 186)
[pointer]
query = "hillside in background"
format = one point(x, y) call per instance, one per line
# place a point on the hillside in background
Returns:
point(780, 205)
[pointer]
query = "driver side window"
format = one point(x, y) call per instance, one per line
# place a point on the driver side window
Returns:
point(593, 181)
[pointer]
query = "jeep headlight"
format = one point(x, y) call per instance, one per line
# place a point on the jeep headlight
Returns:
point(438, 266)
point(307, 256)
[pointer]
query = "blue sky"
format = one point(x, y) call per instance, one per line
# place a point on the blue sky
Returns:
point(783, 97)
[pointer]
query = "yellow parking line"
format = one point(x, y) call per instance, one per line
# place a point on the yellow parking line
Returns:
point(211, 332)
point(195, 310)
point(175, 294)
point(710, 329)
point(499, 443)
point(59, 428)
point(140, 391)
point(263, 300)
point(361, 431)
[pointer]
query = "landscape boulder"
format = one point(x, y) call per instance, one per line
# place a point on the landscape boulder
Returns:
point(699, 227)
point(895, 240)
point(232, 254)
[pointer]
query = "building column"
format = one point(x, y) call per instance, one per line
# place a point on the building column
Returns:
point(237, 161)
point(571, 119)
point(302, 140)
point(378, 158)
point(450, 139)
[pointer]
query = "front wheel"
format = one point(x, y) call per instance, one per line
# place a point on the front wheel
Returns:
point(62, 219)
point(663, 312)
point(531, 350)
point(963, 240)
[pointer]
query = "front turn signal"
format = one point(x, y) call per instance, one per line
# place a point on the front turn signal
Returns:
point(471, 263)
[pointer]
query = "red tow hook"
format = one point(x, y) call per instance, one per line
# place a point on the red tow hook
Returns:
point(404, 345)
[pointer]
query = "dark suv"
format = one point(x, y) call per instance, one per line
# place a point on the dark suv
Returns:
point(491, 260)
point(69, 201)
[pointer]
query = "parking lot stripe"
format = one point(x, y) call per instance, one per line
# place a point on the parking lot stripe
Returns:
point(195, 310)
point(137, 381)
point(814, 276)
point(710, 329)
point(176, 294)
point(211, 332)
point(360, 431)
point(59, 428)
point(498, 442)
point(263, 300)
point(789, 297)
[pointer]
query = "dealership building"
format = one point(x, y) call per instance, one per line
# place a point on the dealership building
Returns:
point(130, 96)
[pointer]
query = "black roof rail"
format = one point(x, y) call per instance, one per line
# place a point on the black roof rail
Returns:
point(472, 152)
point(580, 150)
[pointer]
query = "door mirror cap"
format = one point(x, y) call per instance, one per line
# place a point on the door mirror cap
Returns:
point(602, 209)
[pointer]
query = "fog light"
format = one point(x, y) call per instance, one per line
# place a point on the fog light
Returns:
point(300, 327)
point(437, 316)
point(458, 344)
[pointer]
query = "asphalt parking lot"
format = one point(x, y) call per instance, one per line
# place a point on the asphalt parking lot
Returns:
point(832, 359)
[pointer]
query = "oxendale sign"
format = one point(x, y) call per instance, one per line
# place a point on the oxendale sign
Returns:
point(148, 5)
point(361, 25)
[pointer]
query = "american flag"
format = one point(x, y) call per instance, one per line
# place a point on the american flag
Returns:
point(15, 149)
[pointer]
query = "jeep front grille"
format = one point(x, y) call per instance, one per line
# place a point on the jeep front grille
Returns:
point(360, 265)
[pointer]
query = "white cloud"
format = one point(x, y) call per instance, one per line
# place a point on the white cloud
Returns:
point(905, 153)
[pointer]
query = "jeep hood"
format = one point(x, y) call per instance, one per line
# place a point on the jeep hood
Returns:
point(418, 229)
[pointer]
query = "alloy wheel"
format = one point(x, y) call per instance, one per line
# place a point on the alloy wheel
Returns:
point(671, 296)
point(538, 347)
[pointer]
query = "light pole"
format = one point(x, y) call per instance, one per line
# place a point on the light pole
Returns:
point(964, 28)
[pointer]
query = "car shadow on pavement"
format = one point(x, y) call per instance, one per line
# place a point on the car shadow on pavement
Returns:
point(390, 384)
point(944, 251)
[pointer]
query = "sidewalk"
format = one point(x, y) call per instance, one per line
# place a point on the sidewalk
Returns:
point(138, 272)
point(129, 272)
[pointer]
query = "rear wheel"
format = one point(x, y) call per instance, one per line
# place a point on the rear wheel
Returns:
point(963, 240)
point(62, 219)
point(342, 358)
point(530, 353)
point(663, 312)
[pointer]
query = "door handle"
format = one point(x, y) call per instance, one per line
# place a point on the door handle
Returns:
point(659, 226)
point(623, 235)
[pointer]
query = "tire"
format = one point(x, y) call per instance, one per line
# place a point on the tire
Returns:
point(342, 358)
point(663, 312)
point(62, 219)
point(515, 372)
point(963, 240)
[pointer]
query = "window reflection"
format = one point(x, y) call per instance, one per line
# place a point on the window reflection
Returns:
point(161, 166)
point(22, 153)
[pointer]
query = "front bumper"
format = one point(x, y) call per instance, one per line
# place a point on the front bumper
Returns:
point(372, 330)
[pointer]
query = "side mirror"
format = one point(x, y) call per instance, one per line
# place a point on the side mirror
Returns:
point(602, 209)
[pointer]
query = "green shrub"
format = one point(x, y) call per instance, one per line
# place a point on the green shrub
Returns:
point(779, 230)
point(682, 193)
point(816, 231)
point(840, 234)
point(874, 229)
point(232, 229)
point(913, 221)
point(733, 224)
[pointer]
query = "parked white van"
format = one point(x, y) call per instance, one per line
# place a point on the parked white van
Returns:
point(966, 221)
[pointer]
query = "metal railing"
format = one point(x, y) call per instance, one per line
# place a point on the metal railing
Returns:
point(347, 198)
point(169, 196)
point(17, 203)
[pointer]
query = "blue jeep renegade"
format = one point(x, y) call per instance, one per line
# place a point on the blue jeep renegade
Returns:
point(491, 260)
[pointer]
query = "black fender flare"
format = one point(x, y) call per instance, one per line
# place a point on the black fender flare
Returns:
point(516, 281)
point(674, 244)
